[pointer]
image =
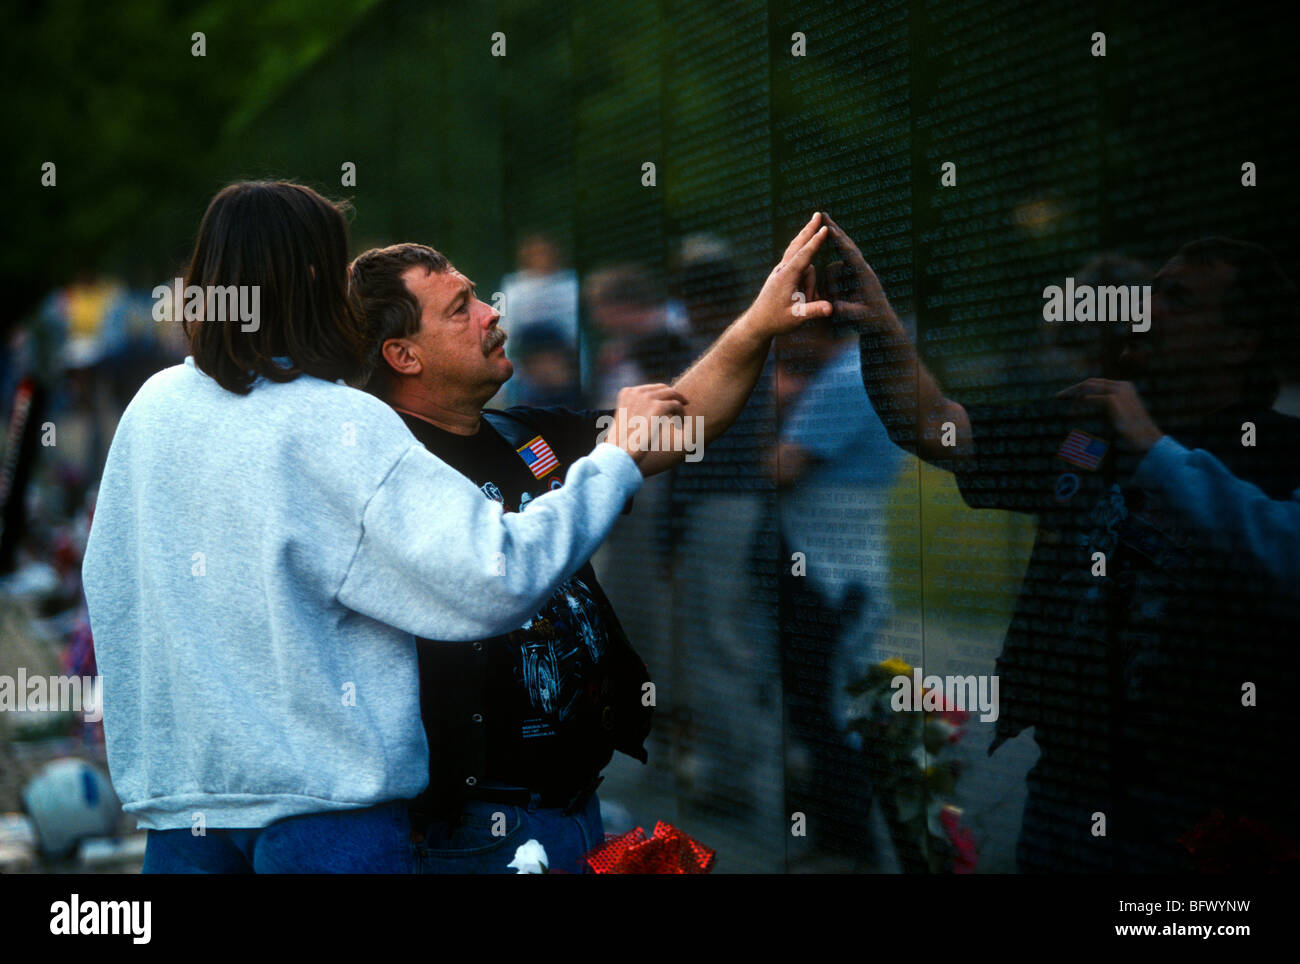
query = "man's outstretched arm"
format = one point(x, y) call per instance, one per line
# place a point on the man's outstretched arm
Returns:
point(719, 383)
point(439, 561)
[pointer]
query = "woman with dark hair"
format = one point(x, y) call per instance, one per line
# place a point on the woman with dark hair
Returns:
point(291, 244)
point(266, 542)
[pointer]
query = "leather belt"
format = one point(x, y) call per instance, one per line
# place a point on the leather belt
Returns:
point(567, 801)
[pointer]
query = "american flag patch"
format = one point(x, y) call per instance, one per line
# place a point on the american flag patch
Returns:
point(1083, 450)
point(539, 458)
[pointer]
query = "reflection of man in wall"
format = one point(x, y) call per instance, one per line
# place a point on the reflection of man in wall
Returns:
point(1156, 672)
point(1070, 352)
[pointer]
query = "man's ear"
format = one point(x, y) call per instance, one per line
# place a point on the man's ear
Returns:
point(401, 356)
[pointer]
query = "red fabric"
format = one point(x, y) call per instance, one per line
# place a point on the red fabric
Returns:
point(965, 857)
point(668, 851)
point(1234, 844)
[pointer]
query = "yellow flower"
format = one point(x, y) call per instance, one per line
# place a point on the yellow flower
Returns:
point(896, 667)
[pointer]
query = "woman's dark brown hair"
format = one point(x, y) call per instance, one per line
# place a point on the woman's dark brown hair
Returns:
point(293, 244)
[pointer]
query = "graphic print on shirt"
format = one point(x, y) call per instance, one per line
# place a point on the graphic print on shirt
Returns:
point(555, 648)
point(553, 652)
point(1147, 569)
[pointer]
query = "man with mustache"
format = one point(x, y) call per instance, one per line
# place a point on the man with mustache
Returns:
point(1152, 663)
point(520, 726)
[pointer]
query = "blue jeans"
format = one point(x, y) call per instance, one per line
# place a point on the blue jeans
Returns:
point(471, 847)
point(375, 840)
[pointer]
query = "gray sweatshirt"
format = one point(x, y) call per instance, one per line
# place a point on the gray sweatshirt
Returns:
point(256, 569)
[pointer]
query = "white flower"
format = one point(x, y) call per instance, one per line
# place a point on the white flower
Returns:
point(530, 858)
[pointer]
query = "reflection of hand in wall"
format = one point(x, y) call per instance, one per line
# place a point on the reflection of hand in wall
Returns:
point(853, 287)
point(1121, 403)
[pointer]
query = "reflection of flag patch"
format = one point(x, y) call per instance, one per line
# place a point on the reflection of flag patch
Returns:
point(539, 458)
point(1083, 450)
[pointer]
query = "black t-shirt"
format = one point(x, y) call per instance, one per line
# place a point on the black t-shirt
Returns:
point(520, 709)
point(1135, 677)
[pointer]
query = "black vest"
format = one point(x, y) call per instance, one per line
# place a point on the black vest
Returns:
point(458, 748)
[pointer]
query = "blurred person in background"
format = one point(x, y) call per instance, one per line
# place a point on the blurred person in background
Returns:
point(57, 398)
point(541, 290)
point(636, 337)
point(724, 705)
point(540, 293)
point(631, 334)
point(25, 380)
point(545, 366)
point(835, 464)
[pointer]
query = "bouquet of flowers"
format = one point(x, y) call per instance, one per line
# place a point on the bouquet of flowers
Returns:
point(913, 779)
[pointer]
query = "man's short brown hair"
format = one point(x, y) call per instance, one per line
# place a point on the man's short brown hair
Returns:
point(390, 310)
